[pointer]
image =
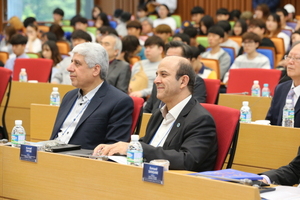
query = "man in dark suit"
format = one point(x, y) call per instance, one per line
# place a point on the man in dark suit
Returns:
point(285, 175)
point(282, 90)
point(96, 112)
point(182, 132)
point(119, 72)
point(177, 48)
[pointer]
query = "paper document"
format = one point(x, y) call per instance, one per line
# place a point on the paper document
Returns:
point(282, 192)
point(119, 159)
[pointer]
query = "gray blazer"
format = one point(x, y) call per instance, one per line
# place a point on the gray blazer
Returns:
point(119, 74)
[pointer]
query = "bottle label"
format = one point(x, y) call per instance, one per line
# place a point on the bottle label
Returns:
point(255, 92)
point(134, 157)
point(17, 139)
point(245, 117)
point(23, 78)
point(55, 101)
point(288, 114)
point(265, 94)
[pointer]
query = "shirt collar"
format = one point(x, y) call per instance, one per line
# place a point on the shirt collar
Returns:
point(175, 111)
point(296, 89)
point(89, 95)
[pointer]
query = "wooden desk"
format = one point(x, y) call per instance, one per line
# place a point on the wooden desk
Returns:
point(259, 105)
point(22, 96)
point(57, 176)
point(261, 148)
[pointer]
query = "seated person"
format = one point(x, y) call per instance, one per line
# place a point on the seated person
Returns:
point(164, 32)
point(34, 44)
point(192, 32)
point(58, 15)
point(103, 31)
point(147, 27)
point(197, 13)
point(287, 89)
point(95, 112)
point(164, 18)
point(182, 132)
point(227, 42)
point(121, 27)
point(18, 43)
point(154, 47)
point(8, 32)
point(215, 38)
point(222, 14)
point(48, 36)
point(119, 71)
point(81, 23)
point(182, 37)
point(285, 175)
point(258, 26)
point(135, 28)
point(176, 48)
point(251, 58)
point(130, 48)
point(283, 14)
point(62, 75)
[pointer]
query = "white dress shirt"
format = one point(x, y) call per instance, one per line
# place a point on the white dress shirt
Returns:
point(169, 119)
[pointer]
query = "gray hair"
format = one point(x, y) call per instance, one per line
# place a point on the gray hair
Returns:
point(94, 54)
point(118, 43)
point(149, 21)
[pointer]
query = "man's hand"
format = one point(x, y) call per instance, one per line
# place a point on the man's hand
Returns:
point(111, 149)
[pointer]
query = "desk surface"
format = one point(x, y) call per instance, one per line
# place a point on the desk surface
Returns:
point(57, 176)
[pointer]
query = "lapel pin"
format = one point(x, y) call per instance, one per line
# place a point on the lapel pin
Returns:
point(178, 125)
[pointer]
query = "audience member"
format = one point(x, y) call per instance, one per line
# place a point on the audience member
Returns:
point(192, 143)
point(16, 23)
point(30, 20)
point(164, 32)
point(291, 12)
point(147, 27)
point(130, 47)
point(271, 4)
point(262, 11)
point(239, 27)
point(288, 89)
point(192, 32)
point(251, 58)
point(164, 18)
point(18, 43)
point(105, 113)
point(197, 13)
point(176, 48)
point(227, 42)
point(62, 75)
point(119, 71)
point(234, 15)
point(258, 26)
point(283, 14)
point(101, 20)
point(103, 31)
point(117, 15)
point(58, 32)
point(121, 28)
point(135, 28)
point(58, 15)
point(222, 14)
point(48, 36)
point(81, 23)
point(205, 23)
point(8, 32)
point(142, 13)
point(274, 30)
point(215, 38)
point(96, 11)
point(34, 44)
point(247, 16)
point(154, 48)
point(182, 37)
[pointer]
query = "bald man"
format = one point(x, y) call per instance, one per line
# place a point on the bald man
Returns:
point(182, 131)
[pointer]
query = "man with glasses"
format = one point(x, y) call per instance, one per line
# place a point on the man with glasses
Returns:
point(289, 89)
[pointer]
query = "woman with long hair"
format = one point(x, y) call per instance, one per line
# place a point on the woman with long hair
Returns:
point(239, 27)
point(102, 20)
point(205, 23)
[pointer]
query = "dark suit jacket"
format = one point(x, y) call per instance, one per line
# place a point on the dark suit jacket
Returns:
point(286, 175)
point(191, 143)
point(119, 74)
point(199, 94)
point(107, 119)
point(278, 102)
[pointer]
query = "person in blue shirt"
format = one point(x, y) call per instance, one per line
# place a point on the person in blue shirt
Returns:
point(18, 43)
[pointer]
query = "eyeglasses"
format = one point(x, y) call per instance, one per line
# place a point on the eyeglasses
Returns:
point(288, 58)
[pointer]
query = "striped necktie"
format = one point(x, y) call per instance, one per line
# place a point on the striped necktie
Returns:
point(291, 95)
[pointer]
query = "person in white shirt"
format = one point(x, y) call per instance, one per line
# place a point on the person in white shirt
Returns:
point(274, 30)
point(81, 23)
point(283, 14)
point(164, 18)
point(228, 42)
point(251, 58)
point(34, 44)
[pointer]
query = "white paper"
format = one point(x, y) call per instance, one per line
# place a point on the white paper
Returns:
point(283, 192)
point(119, 159)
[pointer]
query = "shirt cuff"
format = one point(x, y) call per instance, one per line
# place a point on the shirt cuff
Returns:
point(266, 178)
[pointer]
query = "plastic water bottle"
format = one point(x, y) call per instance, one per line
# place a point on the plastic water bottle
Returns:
point(23, 75)
point(55, 97)
point(265, 92)
point(18, 134)
point(135, 152)
point(288, 114)
point(255, 91)
point(245, 116)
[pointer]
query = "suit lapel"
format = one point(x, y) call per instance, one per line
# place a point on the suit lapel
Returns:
point(179, 123)
point(153, 125)
point(112, 66)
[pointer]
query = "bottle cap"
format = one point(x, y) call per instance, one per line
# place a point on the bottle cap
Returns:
point(256, 82)
point(18, 122)
point(135, 137)
point(289, 101)
point(23, 70)
point(266, 85)
point(245, 103)
point(55, 89)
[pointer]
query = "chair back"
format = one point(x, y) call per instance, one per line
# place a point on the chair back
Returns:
point(231, 52)
point(137, 114)
point(43, 28)
point(68, 29)
point(241, 80)
point(212, 90)
point(280, 49)
point(269, 52)
point(177, 19)
point(227, 127)
point(63, 47)
point(202, 40)
point(32, 55)
point(212, 64)
point(237, 39)
point(92, 29)
point(37, 68)
point(4, 56)
point(66, 22)
point(113, 24)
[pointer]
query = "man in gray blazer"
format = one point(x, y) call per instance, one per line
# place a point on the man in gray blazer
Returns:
point(119, 72)
point(182, 131)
